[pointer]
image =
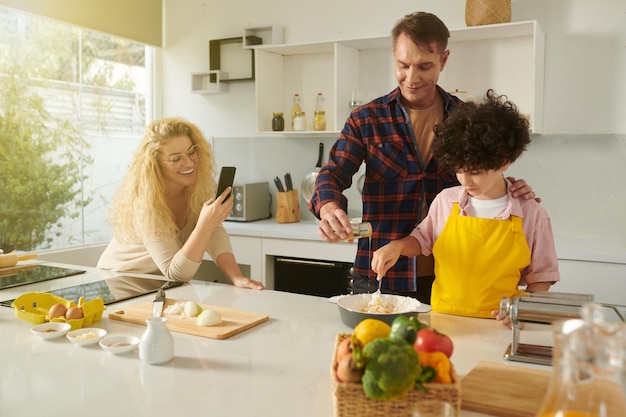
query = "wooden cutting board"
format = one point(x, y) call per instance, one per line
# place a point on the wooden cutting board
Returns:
point(504, 390)
point(233, 321)
point(8, 271)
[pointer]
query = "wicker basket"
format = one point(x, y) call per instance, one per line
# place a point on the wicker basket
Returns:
point(487, 12)
point(350, 400)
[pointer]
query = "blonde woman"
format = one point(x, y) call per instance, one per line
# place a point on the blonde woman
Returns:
point(164, 215)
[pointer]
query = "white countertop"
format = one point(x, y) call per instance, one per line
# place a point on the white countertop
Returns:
point(279, 368)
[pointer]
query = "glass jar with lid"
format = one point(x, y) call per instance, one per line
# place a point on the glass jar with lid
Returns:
point(319, 122)
point(278, 121)
point(299, 121)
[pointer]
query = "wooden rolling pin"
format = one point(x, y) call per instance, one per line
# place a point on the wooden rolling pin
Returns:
point(11, 259)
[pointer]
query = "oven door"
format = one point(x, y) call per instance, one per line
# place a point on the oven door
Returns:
point(311, 276)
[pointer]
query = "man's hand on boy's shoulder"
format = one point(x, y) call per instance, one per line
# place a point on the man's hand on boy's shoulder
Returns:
point(519, 188)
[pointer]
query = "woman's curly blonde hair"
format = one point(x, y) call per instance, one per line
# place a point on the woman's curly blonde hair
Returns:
point(139, 208)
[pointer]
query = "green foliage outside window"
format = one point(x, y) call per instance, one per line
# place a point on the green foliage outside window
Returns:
point(59, 85)
point(41, 165)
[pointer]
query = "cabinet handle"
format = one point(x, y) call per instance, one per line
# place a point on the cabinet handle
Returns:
point(306, 262)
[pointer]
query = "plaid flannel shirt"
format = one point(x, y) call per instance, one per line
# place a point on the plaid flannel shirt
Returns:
point(380, 134)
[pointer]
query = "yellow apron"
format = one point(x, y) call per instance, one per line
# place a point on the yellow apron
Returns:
point(477, 262)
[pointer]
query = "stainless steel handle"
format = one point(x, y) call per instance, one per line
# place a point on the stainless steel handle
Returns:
point(305, 262)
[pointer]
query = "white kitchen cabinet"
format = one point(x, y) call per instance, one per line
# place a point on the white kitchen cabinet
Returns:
point(508, 58)
point(248, 252)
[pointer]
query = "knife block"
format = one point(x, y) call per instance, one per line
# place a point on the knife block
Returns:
point(287, 207)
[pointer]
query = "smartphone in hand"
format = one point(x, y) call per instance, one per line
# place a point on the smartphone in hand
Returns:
point(227, 177)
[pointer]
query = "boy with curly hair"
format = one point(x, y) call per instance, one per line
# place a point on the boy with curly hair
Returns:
point(486, 244)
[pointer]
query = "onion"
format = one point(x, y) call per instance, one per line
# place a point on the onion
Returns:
point(191, 309)
point(208, 318)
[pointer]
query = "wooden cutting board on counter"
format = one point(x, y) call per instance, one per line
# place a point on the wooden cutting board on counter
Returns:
point(504, 390)
point(8, 271)
point(233, 321)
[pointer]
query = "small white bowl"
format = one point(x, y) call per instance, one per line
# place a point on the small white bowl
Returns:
point(119, 344)
point(87, 336)
point(51, 330)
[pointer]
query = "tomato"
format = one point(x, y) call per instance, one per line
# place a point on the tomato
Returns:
point(430, 340)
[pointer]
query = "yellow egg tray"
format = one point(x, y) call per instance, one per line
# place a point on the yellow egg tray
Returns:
point(33, 307)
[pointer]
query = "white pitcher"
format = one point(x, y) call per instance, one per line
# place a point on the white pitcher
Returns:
point(157, 343)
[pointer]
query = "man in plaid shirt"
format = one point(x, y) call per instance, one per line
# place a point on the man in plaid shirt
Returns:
point(393, 135)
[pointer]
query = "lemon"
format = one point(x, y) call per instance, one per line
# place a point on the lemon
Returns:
point(370, 329)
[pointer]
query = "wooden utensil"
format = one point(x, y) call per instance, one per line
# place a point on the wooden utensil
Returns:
point(233, 321)
point(504, 390)
point(11, 259)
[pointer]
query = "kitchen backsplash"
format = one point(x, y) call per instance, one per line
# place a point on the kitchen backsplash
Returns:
point(578, 177)
point(263, 158)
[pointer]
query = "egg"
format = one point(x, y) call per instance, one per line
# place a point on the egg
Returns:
point(74, 313)
point(57, 310)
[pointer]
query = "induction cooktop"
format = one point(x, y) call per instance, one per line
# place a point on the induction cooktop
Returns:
point(112, 290)
point(35, 273)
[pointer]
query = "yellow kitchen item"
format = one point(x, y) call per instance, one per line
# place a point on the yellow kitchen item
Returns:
point(33, 307)
point(370, 329)
point(11, 259)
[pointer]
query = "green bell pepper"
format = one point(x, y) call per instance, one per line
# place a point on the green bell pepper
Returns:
point(406, 328)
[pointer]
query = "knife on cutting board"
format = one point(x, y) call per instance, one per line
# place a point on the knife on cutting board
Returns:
point(157, 304)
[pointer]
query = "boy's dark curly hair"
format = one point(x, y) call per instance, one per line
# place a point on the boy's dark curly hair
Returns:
point(481, 136)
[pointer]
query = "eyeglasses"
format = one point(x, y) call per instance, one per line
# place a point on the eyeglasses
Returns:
point(176, 160)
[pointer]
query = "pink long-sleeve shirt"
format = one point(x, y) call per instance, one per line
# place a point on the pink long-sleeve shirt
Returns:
point(535, 223)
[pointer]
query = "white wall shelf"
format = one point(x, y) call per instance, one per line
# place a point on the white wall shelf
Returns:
point(508, 58)
point(210, 82)
point(270, 35)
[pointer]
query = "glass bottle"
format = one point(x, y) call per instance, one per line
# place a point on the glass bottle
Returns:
point(359, 230)
point(157, 343)
point(295, 109)
point(278, 121)
point(354, 101)
point(319, 121)
point(588, 361)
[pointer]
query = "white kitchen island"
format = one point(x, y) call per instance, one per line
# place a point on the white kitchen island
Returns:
point(278, 368)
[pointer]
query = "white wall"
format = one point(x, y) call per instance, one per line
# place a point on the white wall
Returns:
point(576, 166)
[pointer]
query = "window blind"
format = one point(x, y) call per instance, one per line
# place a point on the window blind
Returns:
point(138, 20)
